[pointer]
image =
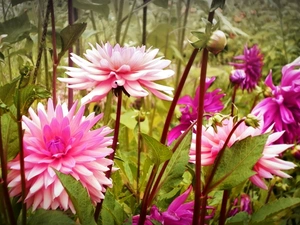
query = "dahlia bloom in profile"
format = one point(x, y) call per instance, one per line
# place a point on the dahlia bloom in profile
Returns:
point(242, 204)
point(251, 62)
point(179, 212)
point(283, 106)
point(267, 166)
point(189, 112)
point(56, 138)
point(111, 67)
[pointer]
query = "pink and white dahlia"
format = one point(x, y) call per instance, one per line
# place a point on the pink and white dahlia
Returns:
point(251, 62)
point(64, 140)
point(110, 67)
point(267, 166)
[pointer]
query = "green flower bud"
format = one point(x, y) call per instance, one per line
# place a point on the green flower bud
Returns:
point(217, 42)
point(252, 121)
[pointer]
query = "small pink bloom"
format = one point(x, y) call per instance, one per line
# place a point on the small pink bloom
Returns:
point(61, 139)
point(267, 166)
point(110, 67)
point(241, 204)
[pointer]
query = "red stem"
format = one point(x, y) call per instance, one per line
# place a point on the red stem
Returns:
point(223, 212)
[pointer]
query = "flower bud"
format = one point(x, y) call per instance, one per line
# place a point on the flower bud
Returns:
point(252, 121)
point(237, 76)
point(217, 42)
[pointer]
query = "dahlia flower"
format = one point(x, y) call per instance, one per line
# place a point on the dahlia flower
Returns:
point(189, 112)
point(283, 106)
point(267, 166)
point(110, 67)
point(251, 62)
point(56, 138)
point(178, 212)
point(243, 206)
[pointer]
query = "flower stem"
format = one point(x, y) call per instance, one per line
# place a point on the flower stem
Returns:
point(233, 99)
point(139, 145)
point(197, 187)
point(70, 62)
point(223, 212)
point(176, 96)
point(6, 199)
point(55, 57)
point(128, 22)
point(113, 146)
point(22, 163)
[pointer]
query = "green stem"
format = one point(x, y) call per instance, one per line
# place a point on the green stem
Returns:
point(197, 188)
point(70, 62)
point(233, 98)
point(119, 22)
point(6, 198)
point(94, 26)
point(139, 145)
point(128, 22)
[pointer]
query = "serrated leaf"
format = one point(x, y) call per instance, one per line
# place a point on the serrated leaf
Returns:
point(273, 208)
point(158, 152)
point(49, 217)
point(79, 197)
point(69, 35)
point(10, 137)
point(240, 218)
point(112, 211)
point(16, 28)
point(237, 162)
point(176, 166)
point(29, 94)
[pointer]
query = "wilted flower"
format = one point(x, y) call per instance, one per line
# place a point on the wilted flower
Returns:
point(62, 140)
point(267, 166)
point(189, 113)
point(216, 42)
point(251, 62)
point(242, 204)
point(283, 106)
point(111, 67)
point(178, 212)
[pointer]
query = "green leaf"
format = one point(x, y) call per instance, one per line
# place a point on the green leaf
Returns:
point(69, 35)
point(237, 162)
point(1, 57)
point(161, 3)
point(49, 217)
point(16, 28)
point(112, 211)
point(217, 4)
point(99, 6)
point(176, 166)
point(10, 137)
point(16, 2)
point(29, 94)
point(158, 152)
point(273, 208)
point(7, 92)
point(240, 218)
point(79, 197)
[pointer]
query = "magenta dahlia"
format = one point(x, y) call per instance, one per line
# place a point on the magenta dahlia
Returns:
point(110, 67)
point(282, 107)
point(267, 166)
point(189, 109)
point(251, 62)
point(64, 140)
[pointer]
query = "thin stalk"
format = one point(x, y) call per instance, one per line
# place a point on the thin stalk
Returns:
point(6, 198)
point(197, 188)
point(55, 57)
point(269, 193)
point(22, 164)
point(176, 96)
point(128, 22)
point(233, 98)
point(119, 22)
point(139, 145)
point(70, 62)
point(159, 176)
point(113, 146)
point(144, 34)
point(9, 66)
point(94, 26)
point(223, 212)
point(42, 44)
